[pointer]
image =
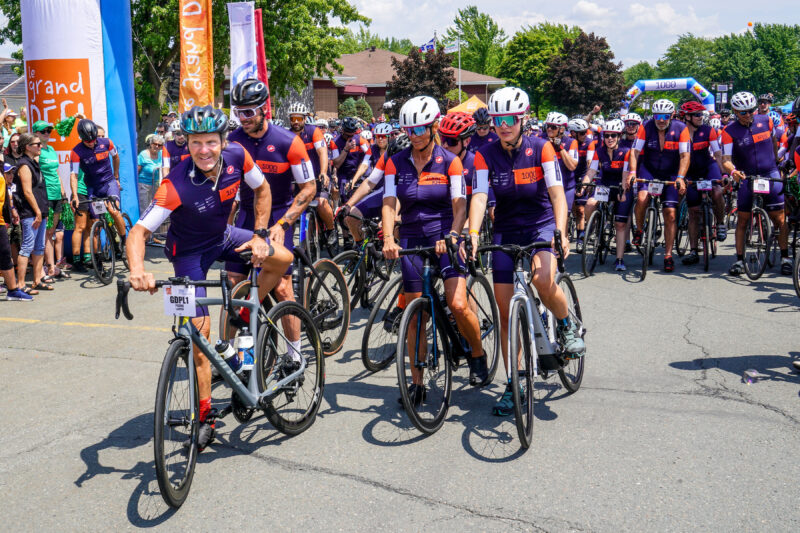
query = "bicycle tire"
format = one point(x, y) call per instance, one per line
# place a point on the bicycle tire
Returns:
point(128, 226)
point(355, 273)
point(379, 342)
point(273, 356)
point(174, 411)
point(312, 237)
point(592, 241)
point(522, 379)
point(483, 302)
point(652, 223)
point(102, 245)
point(437, 376)
point(682, 235)
point(571, 373)
point(796, 274)
point(331, 312)
point(643, 250)
point(774, 249)
point(706, 237)
point(756, 240)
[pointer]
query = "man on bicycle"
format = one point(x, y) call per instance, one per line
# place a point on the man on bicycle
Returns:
point(748, 149)
point(197, 198)
point(661, 152)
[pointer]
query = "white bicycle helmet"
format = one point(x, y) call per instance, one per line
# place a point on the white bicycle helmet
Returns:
point(321, 123)
point(383, 129)
point(509, 101)
point(715, 123)
point(328, 138)
point(175, 127)
point(419, 111)
point(298, 108)
point(366, 135)
point(554, 117)
point(663, 106)
point(578, 125)
point(632, 117)
point(743, 101)
point(614, 126)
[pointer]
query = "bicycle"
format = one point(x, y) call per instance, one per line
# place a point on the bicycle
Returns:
point(600, 232)
point(281, 382)
point(532, 330)
point(104, 239)
point(312, 237)
point(365, 269)
point(653, 227)
point(758, 235)
point(448, 346)
point(708, 230)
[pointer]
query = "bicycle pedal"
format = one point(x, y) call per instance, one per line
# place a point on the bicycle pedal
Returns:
point(225, 412)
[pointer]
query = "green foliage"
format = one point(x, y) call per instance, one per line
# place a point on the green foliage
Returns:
point(689, 56)
point(453, 96)
point(352, 42)
point(481, 41)
point(363, 110)
point(347, 108)
point(584, 74)
point(527, 56)
point(420, 74)
point(640, 71)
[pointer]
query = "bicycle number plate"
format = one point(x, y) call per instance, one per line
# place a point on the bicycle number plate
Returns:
point(704, 185)
point(761, 186)
point(99, 207)
point(601, 193)
point(655, 188)
point(179, 300)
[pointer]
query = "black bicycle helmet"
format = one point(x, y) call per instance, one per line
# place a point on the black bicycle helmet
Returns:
point(350, 125)
point(205, 119)
point(481, 116)
point(796, 107)
point(249, 93)
point(87, 130)
point(767, 97)
point(398, 144)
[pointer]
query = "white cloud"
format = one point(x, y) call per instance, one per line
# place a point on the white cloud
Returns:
point(590, 10)
point(663, 17)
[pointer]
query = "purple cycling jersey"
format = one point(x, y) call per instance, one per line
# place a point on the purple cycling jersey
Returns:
point(96, 163)
point(313, 138)
point(355, 157)
point(585, 155)
point(477, 142)
point(751, 148)
point(662, 162)
point(176, 153)
point(704, 144)
point(611, 167)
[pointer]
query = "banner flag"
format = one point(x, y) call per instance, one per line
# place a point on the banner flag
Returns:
point(451, 48)
point(243, 42)
point(427, 47)
point(262, 58)
point(197, 55)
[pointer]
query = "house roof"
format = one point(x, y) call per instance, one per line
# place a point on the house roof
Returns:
point(373, 68)
point(11, 85)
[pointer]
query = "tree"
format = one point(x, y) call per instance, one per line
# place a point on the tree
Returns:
point(640, 71)
point(690, 56)
point(353, 42)
point(527, 56)
point(780, 44)
point(363, 110)
point(455, 97)
point(481, 40)
point(420, 74)
point(299, 39)
point(583, 75)
point(347, 108)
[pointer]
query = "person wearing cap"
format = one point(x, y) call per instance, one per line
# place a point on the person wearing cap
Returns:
point(48, 164)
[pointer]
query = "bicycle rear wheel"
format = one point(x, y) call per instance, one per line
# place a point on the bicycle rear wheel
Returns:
point(327, 301)
point(571, 373)
point(682, 236)
point(102, 245)
point(774, 249)
point(355, 274)
point(592, 242)
point(706, 236)
point(652, 232)
point(480, 298)
point(175, 422)
point(294, 408)
point(428, 347)
point(522, 372)
point(796, 274)
point(379, 343)
point(756, 240)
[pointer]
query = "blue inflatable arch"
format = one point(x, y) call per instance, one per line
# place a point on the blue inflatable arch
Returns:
point(677, 84)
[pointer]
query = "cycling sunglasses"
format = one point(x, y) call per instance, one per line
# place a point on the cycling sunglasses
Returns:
point(694, 114)
point(415, 130)
point(746, 112)
point(611, 135)
point(451, 141)
point(662, 116)
point(552, 126)
point(631, 124)
point(246, 113)
point(483, 127)
point(508, 120)
point(381, 136)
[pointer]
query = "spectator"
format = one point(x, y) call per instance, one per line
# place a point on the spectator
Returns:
point(6, 264)
point(21, 122)
point(8, 125)
point(30, 200)
point(149, 169)
point(10, 155)
point(48, 163)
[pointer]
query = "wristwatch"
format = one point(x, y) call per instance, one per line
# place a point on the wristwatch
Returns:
point(262, 232)
point(284, 224)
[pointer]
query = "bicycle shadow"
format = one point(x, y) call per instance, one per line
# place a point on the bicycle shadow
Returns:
point(775, 367)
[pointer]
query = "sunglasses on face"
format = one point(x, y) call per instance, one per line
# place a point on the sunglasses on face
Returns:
point(415, 130)
point(694, 115)
point(631, 124)
point(507, 120)
point(296, 119)
point(381, 136)
point(746, 112)
point(763, 102)
point(662, 116)
point(48, 131)
point(35, 144)
point(451, 141)
point(156, 145)
point(611, 136)
point(486, 127)
point(552, 126)
point(246, 113)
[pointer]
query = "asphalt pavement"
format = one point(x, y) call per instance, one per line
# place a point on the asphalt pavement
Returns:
point(663, 435)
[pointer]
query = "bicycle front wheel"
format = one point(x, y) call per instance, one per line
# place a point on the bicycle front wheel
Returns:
point(176, 425)
point(682, 224)
point(480, 298)
point(522, 371)
point(571, 373)
point(706, 236)
point(796, 274)
point(592, 242)
point(102, 245)
point(423, 361)
point(756, 240)
point(293, 406)
point(312, 238)
point(379, 343)
point(328, 302)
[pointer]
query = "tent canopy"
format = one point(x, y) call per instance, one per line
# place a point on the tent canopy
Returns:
point(470, 106)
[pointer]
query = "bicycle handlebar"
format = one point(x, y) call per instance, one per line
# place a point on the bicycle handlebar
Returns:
point(515, 250)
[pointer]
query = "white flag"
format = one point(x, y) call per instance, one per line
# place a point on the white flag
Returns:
point(243, 42)
point(451, 48)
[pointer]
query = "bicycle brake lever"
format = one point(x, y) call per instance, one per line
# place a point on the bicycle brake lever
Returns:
point(559, 250)
point(122, 300)
point(470, 262)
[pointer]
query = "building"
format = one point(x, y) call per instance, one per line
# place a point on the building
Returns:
point(365, 75)
point(12, 86)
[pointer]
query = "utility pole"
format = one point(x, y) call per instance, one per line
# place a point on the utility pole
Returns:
point(458, 43)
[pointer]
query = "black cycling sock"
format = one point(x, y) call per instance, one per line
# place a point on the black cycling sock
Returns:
point(740, 257)
point(784, 252)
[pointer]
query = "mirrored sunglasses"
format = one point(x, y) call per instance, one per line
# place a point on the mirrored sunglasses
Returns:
point(508, 120)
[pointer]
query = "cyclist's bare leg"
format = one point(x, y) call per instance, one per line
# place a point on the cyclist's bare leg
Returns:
point(580, 221)
point(694, 226)
point(202, 365)
point(78, 233)
point(503, 293)
point(641, 207)
point(670, 229)
point(284, 292)
point(778, 218)
point(325, 213)
point(622, 237)
point(544, 280)
point(354, 225)
point(718, 204)
point(591, 205)
point(119, 222)
point(411, 340)
point(455, 290)
point(742, 221)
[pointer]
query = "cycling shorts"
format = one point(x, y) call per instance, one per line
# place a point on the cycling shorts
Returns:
point(503, 264)
point(412, 265)
point(773, 201)
point(669, 195)
point(694, 197)
point(107, 188)
point(570, 195)
point(371, 205)
point(247, 220)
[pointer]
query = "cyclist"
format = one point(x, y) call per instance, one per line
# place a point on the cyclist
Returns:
point(748, 149)
point(456, 131)
point(566, 149)
point(314, 140)
point(177, 149)
point(611, 162)
point(353, 159)
point(706, 157)
point(428, 182)
point(661, 152)
point(579, 129)
point(196, 199)
point(633, 121)
point(98, 159)
point(530, 206)
point(483, 132)
point(764, 103)
point(716, 125)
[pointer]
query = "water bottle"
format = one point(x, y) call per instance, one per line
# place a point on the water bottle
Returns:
point(228, 353)
point(244, 348)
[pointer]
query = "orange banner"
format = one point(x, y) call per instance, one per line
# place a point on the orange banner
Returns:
point(197, 55)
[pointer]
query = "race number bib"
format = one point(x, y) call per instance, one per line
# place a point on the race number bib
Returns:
point(601, 193)
point(704, 185)
point(655, 188)
point(99, 207)
point(761, 186)
point(179, 300)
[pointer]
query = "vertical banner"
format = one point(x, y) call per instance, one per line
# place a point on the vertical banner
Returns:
point(262, 58)
point(243, 42)
point(64, 71)
point(197, 57)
